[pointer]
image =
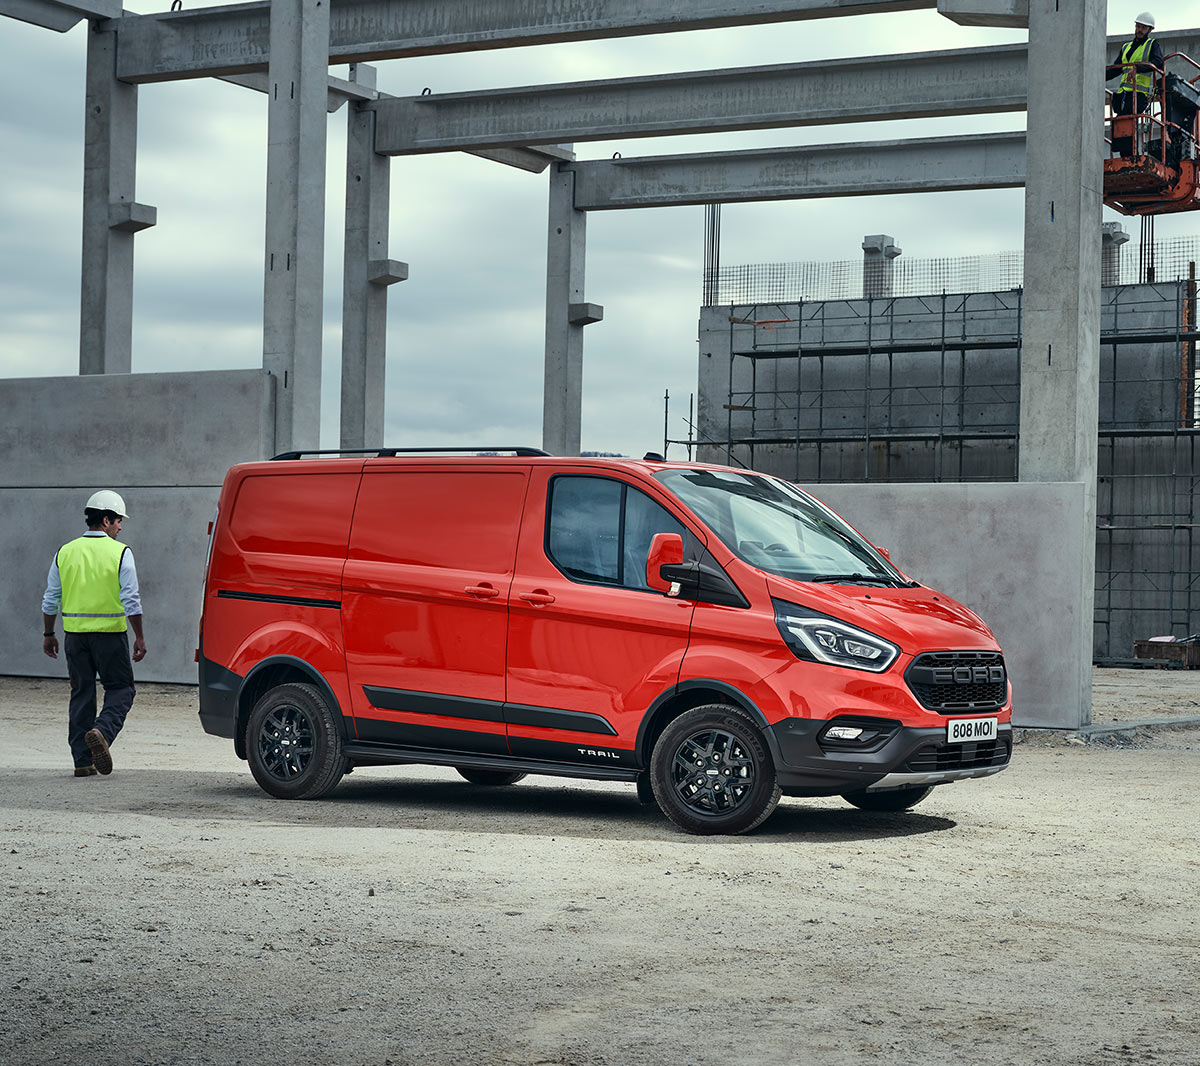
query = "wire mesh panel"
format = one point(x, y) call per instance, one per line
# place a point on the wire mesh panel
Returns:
point(1165, 261)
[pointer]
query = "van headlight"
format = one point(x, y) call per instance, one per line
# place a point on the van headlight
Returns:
point(823, 639)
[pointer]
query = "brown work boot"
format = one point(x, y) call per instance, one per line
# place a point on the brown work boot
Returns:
point(85, 771)
point(98, 746)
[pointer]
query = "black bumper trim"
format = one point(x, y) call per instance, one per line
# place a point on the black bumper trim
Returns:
point(804, 768)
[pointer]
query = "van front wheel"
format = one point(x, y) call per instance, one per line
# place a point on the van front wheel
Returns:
point(293, 743)
point(711, 771)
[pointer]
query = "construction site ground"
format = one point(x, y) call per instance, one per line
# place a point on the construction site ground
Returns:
point(173, 913)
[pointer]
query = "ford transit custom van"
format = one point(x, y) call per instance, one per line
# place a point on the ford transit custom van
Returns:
point(715, 636)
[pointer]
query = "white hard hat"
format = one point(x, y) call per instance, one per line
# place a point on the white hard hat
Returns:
point(106, 500)
point(1145, 19)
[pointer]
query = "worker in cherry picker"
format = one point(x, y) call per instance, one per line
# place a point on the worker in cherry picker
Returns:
point(1137, 63)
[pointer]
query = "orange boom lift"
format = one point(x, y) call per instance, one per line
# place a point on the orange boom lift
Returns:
point(1152, 167)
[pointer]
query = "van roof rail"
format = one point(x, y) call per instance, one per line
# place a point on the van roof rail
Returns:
point(388, 453)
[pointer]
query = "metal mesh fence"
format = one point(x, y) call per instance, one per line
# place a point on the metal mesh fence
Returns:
point(843, 280)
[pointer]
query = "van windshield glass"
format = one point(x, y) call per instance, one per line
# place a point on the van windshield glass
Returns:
point(776, 527)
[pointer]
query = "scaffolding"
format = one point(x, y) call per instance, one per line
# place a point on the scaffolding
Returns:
point(927, 388)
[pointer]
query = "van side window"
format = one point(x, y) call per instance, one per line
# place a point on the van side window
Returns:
point(600, 530)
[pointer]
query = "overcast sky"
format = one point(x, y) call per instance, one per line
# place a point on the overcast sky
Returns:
point(466, 330)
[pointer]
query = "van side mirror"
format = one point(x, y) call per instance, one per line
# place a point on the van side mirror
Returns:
point(666, 549)
point(885, 553)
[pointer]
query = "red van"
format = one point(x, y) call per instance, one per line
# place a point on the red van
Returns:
point(716, 636)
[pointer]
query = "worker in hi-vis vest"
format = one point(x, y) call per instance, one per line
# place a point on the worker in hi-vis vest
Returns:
point(93, 582)
point(1136, 64)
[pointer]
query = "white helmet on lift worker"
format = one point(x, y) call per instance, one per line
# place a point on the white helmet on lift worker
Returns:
point(1145, 19)
point(106, 500)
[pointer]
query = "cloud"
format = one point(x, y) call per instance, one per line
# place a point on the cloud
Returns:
point(466, 331)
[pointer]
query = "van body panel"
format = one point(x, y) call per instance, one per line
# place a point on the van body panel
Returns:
point(571, 645)
point(425, 597)
point(273, 538)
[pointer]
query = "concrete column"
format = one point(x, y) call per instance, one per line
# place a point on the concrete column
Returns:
point(566, 315)
point(878, 252)
point(1113, 235)
point(1061, 302)
point(295, 229)
point(111, 216)
point(367, 272)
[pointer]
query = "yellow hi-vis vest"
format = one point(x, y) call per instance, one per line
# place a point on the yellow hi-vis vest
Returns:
point(90, 570)
point(1132, 81)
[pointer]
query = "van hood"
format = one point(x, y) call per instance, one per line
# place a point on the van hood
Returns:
point(917, 619)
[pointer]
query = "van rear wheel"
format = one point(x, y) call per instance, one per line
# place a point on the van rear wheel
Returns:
point(896, 799)
point(489, 777)
point(711, 771)
point(293, 743)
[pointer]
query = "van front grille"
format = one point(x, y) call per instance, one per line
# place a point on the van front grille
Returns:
point(957, 682)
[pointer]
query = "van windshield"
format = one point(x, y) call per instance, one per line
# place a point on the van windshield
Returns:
point(776, 527)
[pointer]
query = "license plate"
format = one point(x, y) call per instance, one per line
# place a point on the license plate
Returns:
point(967, 730)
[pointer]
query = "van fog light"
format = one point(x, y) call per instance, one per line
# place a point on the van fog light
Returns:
point(843, 732)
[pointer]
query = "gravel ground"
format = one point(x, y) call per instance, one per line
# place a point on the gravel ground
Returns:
point(173, 913)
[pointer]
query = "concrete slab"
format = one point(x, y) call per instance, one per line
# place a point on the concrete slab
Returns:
point(164, 441)
point(999, 549)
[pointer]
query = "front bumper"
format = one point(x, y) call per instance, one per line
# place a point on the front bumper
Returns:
point(912, 756)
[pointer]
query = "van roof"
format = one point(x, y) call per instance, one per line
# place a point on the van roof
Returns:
point(352, 459)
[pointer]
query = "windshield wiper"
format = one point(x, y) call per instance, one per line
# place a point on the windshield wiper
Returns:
point(853, 579)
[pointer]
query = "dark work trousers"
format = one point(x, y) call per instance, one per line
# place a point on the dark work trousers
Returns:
point(89, 655)
point(1123, 103)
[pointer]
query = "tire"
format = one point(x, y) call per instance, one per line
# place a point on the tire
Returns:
point(711, 771)
point(489, 777)
point(293, 743)
point(897, 799)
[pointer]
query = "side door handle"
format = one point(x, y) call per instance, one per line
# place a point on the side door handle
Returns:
point(484, 592)
point(538, 597)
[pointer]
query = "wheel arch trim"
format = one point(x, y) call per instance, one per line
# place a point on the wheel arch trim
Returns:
point(654, 721)
point(248, 688)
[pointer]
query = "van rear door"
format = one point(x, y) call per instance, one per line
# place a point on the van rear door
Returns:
point(425, 602)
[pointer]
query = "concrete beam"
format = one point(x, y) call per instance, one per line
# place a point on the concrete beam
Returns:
point(340, 90)
point(566, 249)
point(366, 274)
point(1060, 311)
point(869, 89)
point(295, 222)
point(58, 14)
point(109, 172)
point(214, 41)
point(1011, 13)
point(533, 160)
point(928, 164)
point(916, 85)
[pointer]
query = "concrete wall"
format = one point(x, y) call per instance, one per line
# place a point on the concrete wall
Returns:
point(998, 549)
point(164, 441)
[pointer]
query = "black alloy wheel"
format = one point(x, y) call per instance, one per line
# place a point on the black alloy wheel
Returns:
point(711, 771)
point(293, 743)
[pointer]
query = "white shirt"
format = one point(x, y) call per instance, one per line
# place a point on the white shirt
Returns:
point(131, 599)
